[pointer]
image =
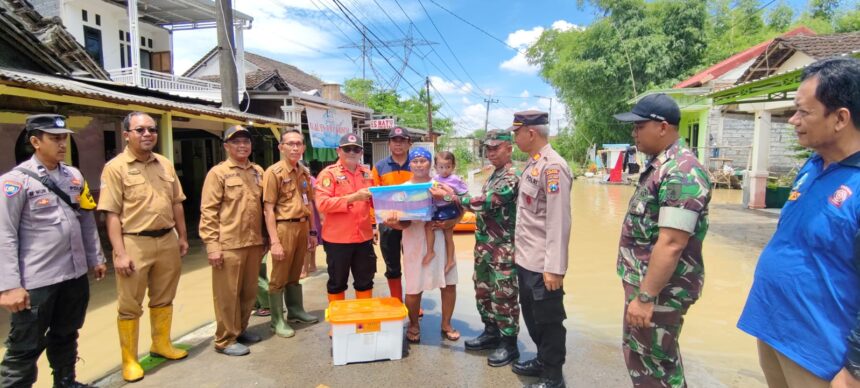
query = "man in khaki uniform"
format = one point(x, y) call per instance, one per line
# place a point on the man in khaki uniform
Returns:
point(287, 195)
point(231, 227)
point(142, 198)
point(542, 239)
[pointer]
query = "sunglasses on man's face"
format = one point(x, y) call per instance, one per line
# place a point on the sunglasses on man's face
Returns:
point(352, 149)
point(141, 130)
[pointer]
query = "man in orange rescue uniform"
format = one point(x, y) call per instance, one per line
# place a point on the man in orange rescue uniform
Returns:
point(347, 233)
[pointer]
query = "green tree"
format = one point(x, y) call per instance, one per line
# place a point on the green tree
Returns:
point(848, 21)
point(638, 45)
point(823, 9)
point(410, 111)
point(780, 17)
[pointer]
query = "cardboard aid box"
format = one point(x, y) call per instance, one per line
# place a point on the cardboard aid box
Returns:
point(366, 329)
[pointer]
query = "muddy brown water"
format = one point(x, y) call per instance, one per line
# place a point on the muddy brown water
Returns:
point(709, 336)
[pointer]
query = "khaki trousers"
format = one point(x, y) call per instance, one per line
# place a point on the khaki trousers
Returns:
point(781, 372)
point(234, 289)
point(157, 266)
point(294, 238)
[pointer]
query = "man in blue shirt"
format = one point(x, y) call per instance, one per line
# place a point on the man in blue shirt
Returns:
point(804, 302)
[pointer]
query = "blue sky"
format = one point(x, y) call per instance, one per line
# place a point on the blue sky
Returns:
point(309, 33)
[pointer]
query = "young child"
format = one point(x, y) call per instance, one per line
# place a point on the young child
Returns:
point(445, 209)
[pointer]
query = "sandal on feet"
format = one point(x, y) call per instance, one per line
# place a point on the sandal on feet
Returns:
point(262, 312)
point(413, 336)
point(451, 335)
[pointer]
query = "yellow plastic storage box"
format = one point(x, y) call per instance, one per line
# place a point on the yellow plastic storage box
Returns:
point(366, 329)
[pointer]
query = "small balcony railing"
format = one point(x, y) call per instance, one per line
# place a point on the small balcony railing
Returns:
point(163, 81)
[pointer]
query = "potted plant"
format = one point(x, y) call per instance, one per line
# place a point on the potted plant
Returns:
point(778, 190)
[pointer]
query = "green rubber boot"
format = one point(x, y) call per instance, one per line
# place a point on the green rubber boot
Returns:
point(295, 306)
point(278, 325)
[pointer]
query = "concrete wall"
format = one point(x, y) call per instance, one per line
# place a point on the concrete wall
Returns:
point(736, 142)
point(113, 20)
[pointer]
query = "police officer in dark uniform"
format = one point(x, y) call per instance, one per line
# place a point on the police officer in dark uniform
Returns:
point(48, 240)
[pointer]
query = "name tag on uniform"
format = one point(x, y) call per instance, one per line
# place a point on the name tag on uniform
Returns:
point(305, 198)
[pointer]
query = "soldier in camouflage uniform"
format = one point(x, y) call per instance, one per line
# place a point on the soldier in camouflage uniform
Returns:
point(660, 252)
point(495, 277)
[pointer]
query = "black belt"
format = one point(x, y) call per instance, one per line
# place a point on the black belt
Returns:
point(303, 219)
point(151, 233)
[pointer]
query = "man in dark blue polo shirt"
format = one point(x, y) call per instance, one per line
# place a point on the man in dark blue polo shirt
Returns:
point(805, 297)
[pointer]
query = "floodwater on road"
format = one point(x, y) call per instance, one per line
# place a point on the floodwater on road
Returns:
point(715, 352)
point(709, 338)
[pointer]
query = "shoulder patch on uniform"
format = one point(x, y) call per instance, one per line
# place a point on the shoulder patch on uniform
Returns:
point(10, 188)
point(551, 180)
point(326, 182)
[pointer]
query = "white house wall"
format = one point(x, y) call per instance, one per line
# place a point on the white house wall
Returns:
point(212, 67)
point(113, 19)
point(733, 74)
point(797, 60)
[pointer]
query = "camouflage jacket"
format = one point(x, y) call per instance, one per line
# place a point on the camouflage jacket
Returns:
point(674, 191)
point(496, 208)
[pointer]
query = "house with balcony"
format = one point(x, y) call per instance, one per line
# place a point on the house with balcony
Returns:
point(278, 89)
point(45, 69)
point(133, 40)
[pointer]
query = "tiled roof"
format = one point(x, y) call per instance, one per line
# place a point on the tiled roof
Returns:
point(824, 46)
point(783, 48)
point(298, 80)
point(253, 79)
point(736, 60)
point(45, 40)
point(66, 86)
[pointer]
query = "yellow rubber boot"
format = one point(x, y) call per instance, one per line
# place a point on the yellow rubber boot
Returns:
point(128, 332)
point(366, 294)
point(161, 319)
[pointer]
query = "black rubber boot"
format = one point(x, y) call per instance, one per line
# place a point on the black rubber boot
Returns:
point(532, 367)
point(489, 339)
point(506, 353)
point(65, 378)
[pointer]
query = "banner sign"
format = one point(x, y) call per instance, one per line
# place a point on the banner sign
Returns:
point(381, 124)
point(327, 126)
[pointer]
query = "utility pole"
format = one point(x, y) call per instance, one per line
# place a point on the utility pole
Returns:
point(430, 113)
point(550, 111)
point(226, 60)
point(487, 117)
point(367, 46)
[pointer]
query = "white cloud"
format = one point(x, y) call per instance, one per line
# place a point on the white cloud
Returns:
point(519, 64)
point(466, 101)
point(472, 117)
point(523, 39)
point(525, 94)
point(450, 87)
point(563, 25)
point(285, 30)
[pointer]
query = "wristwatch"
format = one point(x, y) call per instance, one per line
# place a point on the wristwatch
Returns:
point(645, 298)
point(447, 198)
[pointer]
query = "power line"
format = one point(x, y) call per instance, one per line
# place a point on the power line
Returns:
point(449, 46)
point(477, 28)
point(433, 50)
point(350, 16)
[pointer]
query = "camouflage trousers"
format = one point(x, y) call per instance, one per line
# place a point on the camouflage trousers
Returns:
point(652, 354)
point(496, 287)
